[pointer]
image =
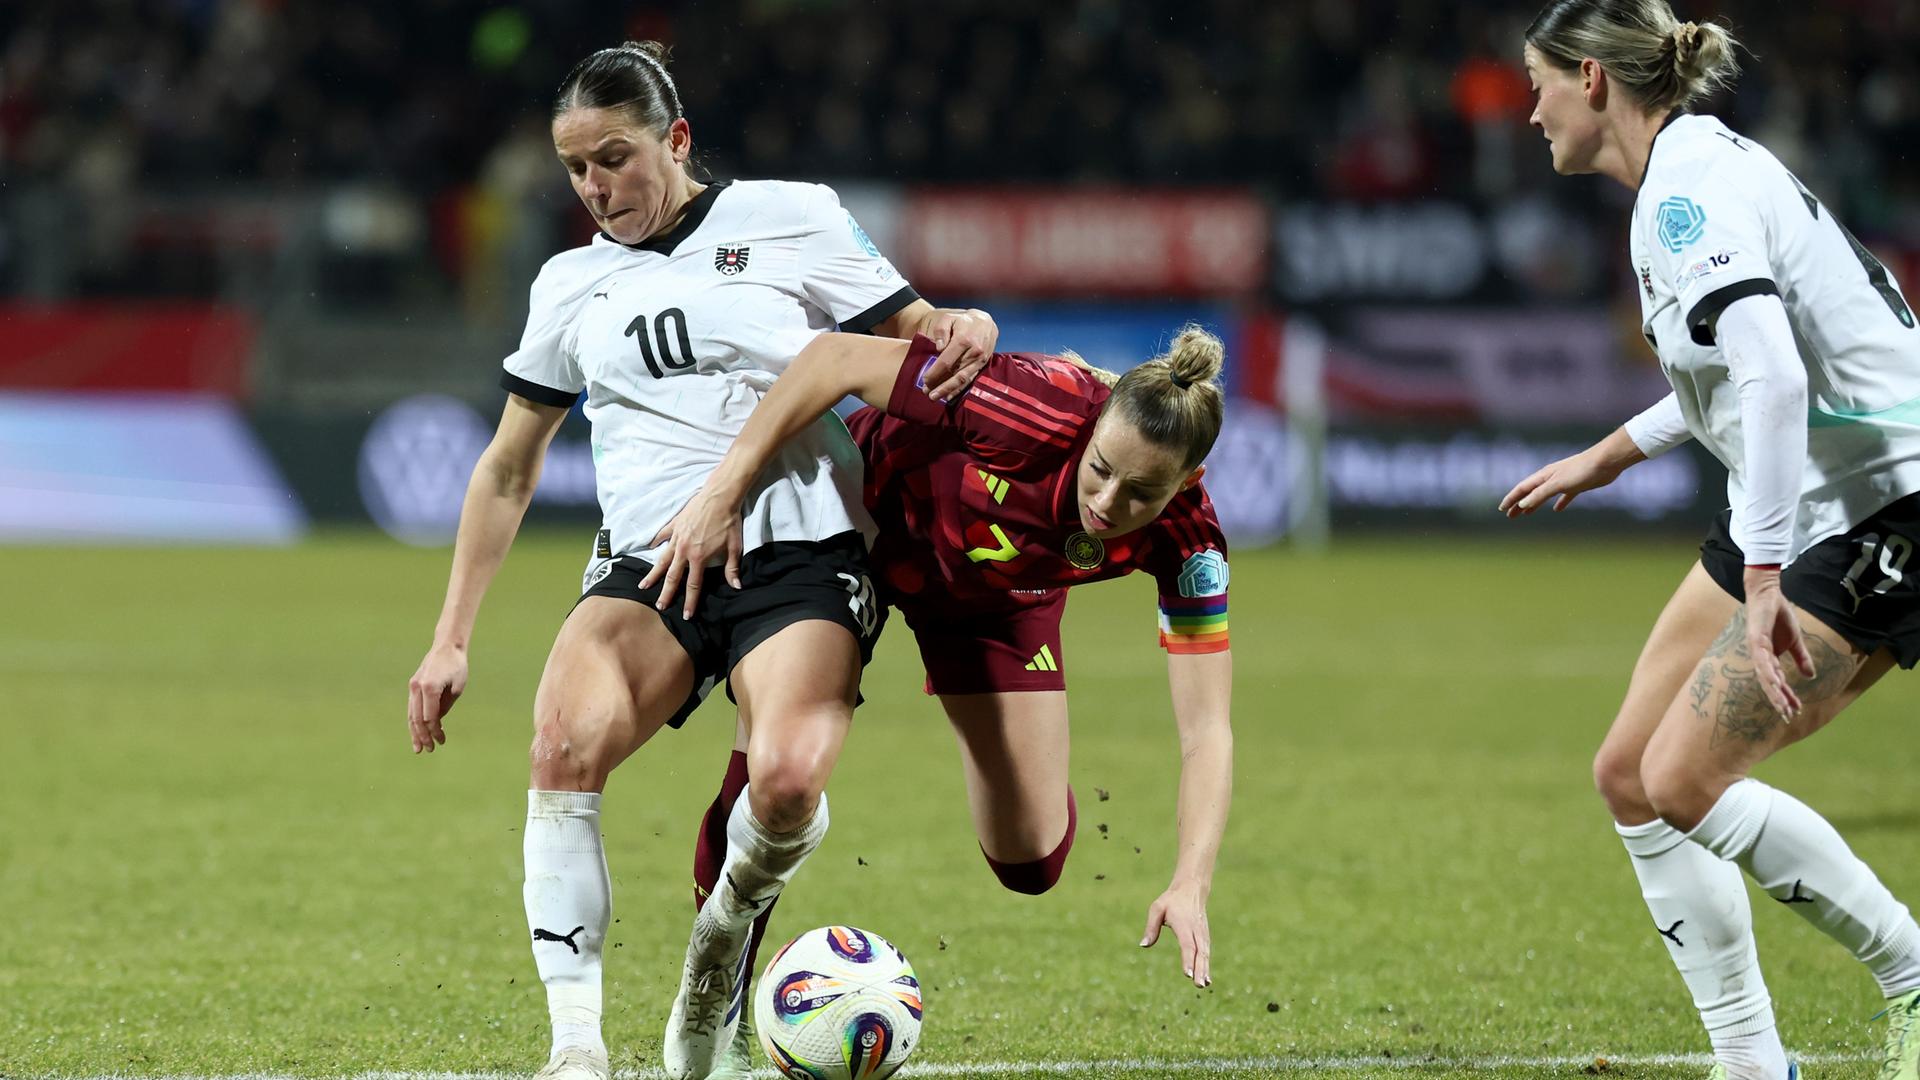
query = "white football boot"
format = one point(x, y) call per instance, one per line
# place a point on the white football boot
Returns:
point(707, 1011)
point(575, 1063)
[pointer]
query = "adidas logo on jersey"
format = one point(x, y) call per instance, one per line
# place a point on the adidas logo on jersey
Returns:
point(1043, 660)
point(996, 486)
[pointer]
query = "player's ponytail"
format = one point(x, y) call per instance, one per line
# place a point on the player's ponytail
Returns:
point(1664, 63)
point(1174, 400)
point(631, 77)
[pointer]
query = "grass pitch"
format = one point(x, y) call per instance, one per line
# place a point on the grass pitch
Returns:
point(217, 855)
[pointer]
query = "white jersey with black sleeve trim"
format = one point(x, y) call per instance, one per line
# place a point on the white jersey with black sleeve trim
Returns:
point(1718, 219)
point(675, 340)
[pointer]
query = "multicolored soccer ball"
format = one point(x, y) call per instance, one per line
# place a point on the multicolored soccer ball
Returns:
point(838, 1004)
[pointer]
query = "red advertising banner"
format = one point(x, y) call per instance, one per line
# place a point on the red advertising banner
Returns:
point(125, 347)
point(1070, 242)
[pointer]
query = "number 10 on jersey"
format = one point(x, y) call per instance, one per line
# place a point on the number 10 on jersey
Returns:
point(680, 361)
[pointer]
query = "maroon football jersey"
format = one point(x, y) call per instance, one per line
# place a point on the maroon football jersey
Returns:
point(976, 499)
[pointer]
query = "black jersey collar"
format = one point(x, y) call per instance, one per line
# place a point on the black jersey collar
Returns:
point(697, 209)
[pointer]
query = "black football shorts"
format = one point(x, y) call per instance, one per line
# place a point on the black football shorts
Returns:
point(1861, 582)
point(784, 582)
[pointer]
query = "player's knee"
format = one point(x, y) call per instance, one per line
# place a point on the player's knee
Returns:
point(785, 792)
point(1038, 875)
point(559, 760)
point(1616, 776)
point(1678, 790)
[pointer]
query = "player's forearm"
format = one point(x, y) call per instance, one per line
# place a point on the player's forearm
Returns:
point(496, 501)
point(1206, 790)
point(831, 367)
point(1202, 686)
point(807, 389)
point(1618, 450)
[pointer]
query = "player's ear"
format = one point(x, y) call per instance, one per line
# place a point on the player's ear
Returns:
point(1593, 83)
point(1193, 477)
point(680, 140)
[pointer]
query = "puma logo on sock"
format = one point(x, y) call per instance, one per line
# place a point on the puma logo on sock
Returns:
point(548, 935)
point(1796, 896)
point(1669, 934)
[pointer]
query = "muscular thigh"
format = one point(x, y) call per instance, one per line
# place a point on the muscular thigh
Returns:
point(796, 692)
point(615, 675)
point(1693, 617)
point(1722, 725)
point(1014, 749)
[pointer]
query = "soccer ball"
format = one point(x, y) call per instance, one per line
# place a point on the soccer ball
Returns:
point(838, 1004)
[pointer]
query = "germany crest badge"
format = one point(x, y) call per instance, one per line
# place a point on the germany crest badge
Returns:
point(1085, 551)
point(730, 260)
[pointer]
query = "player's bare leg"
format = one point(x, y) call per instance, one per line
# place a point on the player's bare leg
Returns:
point(1698, 903)
point(796, 693)
point(1014, 749)
point(598, 702)
point(1696, 775)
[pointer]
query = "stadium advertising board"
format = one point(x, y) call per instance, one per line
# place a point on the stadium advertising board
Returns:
point(1435, 251)
point(120, 467)
point(1083, 242)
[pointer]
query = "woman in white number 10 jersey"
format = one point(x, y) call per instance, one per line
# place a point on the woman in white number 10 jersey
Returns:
point(1795, 360)
point(673, 322)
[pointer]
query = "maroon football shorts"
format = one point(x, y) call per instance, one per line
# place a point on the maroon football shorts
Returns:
point(974, 647)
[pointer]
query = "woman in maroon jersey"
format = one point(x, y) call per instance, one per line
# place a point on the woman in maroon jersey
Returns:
point(1044, 474)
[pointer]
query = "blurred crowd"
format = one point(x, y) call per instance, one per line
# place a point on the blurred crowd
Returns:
point(1309, 99)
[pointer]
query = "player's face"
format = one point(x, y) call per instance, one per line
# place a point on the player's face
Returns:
point(1561, 112)
point(1125, 480)
point(632, 182)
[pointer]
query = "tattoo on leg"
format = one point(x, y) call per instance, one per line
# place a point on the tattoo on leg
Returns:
point(1744, 711)
point(1702, 688)
point(1734, 637)
point(1832, 670)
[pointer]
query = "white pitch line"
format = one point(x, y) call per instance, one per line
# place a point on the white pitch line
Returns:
point(1118, 1066)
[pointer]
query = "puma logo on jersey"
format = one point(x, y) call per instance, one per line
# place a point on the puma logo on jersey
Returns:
point(1796, 896)
point(1669, 933)
point(565, 939)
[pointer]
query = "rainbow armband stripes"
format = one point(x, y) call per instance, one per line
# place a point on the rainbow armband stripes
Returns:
point(1193, 624)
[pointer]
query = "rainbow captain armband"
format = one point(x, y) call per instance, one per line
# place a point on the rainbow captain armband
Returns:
point(1193, 624)
point(1196, 620)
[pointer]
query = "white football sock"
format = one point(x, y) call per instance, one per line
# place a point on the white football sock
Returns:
point(760, 863)
point(569, 900)
point(1699, 906)
point(1800, 860)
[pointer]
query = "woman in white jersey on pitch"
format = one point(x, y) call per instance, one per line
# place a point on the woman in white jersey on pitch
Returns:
point(673, 322)
point(1795, 360)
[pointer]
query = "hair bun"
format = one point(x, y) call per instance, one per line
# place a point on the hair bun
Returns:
point(1196, 357)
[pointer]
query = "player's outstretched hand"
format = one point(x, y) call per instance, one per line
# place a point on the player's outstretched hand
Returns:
point(703, 528)
point(1183, 910)
point(1772, 630)
point(1560, 482)
point(435, 686)
point(965, 340)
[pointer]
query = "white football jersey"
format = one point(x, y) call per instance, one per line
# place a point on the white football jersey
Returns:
point(675, 340)
point(1718, 218)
